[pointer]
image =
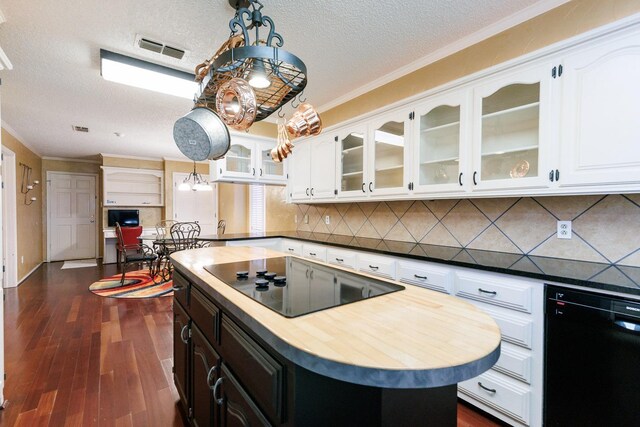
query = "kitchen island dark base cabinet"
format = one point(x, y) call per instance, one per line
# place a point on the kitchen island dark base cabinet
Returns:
point(227, 376)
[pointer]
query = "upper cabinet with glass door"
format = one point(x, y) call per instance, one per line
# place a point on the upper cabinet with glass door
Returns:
point(440, 129)
point(249, 160)
point(351, 162)
point(512, 135)
point(388, 156)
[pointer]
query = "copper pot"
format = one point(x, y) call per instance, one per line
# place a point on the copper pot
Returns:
point(236, 104)
point(304, 122)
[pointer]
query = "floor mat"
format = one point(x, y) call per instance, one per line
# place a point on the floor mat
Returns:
point(79, 263)
point(137, 284)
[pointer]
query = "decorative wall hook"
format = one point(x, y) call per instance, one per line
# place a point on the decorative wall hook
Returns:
point(27, 184)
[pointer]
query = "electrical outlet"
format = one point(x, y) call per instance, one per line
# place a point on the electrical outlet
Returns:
point(22, 259)
point(295, 218)
point(305, 219)
point(327, 220)
point(564, 229)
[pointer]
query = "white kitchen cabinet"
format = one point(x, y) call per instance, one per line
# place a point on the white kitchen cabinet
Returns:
point(426, 275)
point(132, 187)
point(600, 133)
point(377, 265)
point(351, 162)
point(513, 135)
point(441, 132)
point(291, 247)
point(313, 169)
point(389, 151)
point(342, 257)
point(315, 252)
point(249, 160)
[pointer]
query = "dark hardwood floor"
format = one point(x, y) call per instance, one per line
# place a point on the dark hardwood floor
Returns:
point(76, 359)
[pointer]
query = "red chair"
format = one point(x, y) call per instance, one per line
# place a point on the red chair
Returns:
point(131, 250)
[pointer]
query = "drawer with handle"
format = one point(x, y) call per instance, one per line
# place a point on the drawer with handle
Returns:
point(500, 393)
point(380, 266)
point(506, 292)
point(515, 328)
point(428, 276)
point(181, 289)
point(291, 247)
point(514, 362)
point(314, 252)
point(341, 258)
point(205, 314)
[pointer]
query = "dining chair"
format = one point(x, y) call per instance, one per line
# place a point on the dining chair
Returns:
point(222, 226)
point(184, 234)
point(131, 251)
point(163, 228)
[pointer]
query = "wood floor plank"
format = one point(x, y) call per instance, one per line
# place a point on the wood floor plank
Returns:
point(75, 359)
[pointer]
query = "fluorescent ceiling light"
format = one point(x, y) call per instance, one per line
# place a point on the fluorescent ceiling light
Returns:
point(135, 72)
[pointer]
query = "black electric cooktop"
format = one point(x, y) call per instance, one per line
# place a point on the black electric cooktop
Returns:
point(293, 287)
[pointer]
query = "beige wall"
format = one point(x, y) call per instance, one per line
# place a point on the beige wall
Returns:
point(279, 216)
point(233, 207)
point(71, 166)
point(29, 217)
point(568, 20)
point(121, 162)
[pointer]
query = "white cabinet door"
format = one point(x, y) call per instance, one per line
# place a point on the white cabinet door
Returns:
point(268, 170)
point(388, 154)
point(323, 167)
point(440, 143)
point(512, 131)
point(600, 134)
point(351, 162)
point(300, 174)
point(238, 162)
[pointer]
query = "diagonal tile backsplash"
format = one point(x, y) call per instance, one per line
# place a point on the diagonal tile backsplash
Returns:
point(605, 228)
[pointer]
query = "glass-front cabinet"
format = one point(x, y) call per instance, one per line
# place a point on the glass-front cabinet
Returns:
point(389, 136)
point(511, 131)
point(440, 136)
point(351, 162)
point(249, 160)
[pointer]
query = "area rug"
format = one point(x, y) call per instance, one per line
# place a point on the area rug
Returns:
point(137, 284)
point(79, 263)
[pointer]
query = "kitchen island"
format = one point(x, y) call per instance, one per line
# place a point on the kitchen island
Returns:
point(390, 360)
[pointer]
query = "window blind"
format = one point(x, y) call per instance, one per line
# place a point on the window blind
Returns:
point(256, 208)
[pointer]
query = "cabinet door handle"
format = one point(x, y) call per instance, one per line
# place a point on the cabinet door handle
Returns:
point(420, 277)
point(312, 253)
point(312, 191)
point(220, 171)
point(307, 191)
point(363, 188)
point(176, 288)
point(184, 328)
point(490, 390)
point(551, 175)
point(210, 376)
point(290, 249)
point(370, 184)
point(216, 386)
point(460, 179)
point(557, 175)
point(260, 171)
point(373, 267)
point(487, 292)
point(340, 259)
point(475, 173)
point(254, 171)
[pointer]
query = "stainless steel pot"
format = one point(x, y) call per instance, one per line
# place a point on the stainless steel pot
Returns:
point(201, 135)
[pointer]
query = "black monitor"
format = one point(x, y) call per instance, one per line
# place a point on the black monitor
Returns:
point(124, 217)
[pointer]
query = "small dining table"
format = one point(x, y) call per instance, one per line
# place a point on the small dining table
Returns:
point(164, 247)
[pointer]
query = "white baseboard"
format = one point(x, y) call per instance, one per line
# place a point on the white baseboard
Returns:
point(26, 276)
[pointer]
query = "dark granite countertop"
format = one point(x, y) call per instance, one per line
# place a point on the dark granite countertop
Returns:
point(608, 277)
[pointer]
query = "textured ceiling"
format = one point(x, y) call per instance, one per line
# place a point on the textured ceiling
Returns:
point(54, 47)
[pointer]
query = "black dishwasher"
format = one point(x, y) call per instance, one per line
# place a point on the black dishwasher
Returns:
point(592, 359)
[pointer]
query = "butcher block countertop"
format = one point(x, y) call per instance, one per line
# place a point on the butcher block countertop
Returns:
point(414, 338)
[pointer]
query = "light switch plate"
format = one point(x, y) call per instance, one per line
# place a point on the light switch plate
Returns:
point(305, 219)
point(327, 220)
point(564, 229)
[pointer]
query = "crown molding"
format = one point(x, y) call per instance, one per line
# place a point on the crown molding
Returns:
point(123, 156)
point(20, 139)
point(67, 159)
point(497, 27)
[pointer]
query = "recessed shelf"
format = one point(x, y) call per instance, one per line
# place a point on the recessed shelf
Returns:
point(352, 173)
point(450, 159)
point(435, 128)
point(390, 168)
point(513, 150)
point(238, 158)
point(352, 149)
point(511, 110)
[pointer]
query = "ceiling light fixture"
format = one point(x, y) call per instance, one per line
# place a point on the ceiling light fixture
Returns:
point(276, 75)
point(146, 75)
point(199, 183)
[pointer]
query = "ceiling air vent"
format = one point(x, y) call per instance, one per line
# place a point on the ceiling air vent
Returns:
point(158, 47)
point(80, 129)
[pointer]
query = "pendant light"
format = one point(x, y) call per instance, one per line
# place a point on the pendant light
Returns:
point(194, 182)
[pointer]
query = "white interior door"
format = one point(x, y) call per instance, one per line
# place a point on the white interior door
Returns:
point(9, 225)
point(200, 206)
point(72, 216)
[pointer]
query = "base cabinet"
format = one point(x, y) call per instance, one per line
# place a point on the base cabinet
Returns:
point(181, 349)
point(206, 367)
point(237, 408)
